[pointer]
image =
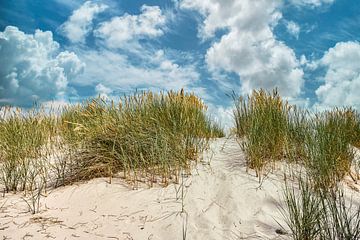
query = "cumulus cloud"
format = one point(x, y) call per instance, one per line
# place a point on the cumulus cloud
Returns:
point(79, 24)
point(292, 28)
point(120, 30)
point(244, 15)
point(342, 78)
point(111, 71)
point(33, 68)
point(250, 48)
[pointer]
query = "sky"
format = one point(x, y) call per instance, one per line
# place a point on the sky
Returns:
point(61, 51)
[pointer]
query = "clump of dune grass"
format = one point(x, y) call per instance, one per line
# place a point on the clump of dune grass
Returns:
point(341, 217)
point(270, 129)
point(345, 120)
point(144, 136)
point(356, 141)
point(261, 121)
point(36, 185)
point(301, 212)
point(350, 123)
point(329, 154)
point(22, 136)
point(297, 128)
point(313, 213)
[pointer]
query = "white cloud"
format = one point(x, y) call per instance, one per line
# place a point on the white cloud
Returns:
point(292, 28)
point(342, 78)
point(244, 15)
point(103, 91)
point(312, 3)
point(108, 70)
point(33, 68)
point(72, 4)
point(55, 106)
point(120, 30)
point(249, 49)
point(222, 115)
point(79, 24)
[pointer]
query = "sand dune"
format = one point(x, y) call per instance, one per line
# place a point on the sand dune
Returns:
point(221, 201)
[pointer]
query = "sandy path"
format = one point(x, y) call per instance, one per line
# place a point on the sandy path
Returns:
point(221, 201)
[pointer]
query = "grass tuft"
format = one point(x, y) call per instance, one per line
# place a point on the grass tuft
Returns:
point(312, 213)
point(147, 136)
point(22, 136)
point(270, 130)
point(261, 121)
point(144, 136)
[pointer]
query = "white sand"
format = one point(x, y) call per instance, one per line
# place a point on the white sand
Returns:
point(221, 201)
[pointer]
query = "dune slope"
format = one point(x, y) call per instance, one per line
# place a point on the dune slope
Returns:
point(219, 200)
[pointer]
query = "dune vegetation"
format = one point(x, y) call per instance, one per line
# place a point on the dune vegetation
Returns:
point(154, 137)
point(319, 213)
point(269, 129)
point(144, 136)
point(147, 137)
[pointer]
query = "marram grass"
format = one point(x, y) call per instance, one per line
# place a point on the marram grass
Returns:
point(147, 136)
point(144, 136)
point(271, 129)
point(22, 136)
point(329, 155)
point(312, 213)
point(261, 121)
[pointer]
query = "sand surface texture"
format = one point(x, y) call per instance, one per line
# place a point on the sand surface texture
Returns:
point(220, 201)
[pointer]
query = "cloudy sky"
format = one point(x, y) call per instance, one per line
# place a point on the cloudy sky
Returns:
point(67, 50)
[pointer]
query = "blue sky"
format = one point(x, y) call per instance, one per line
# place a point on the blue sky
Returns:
point(66, 50)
